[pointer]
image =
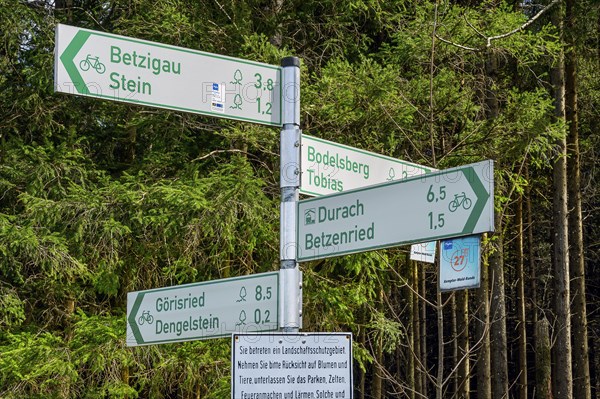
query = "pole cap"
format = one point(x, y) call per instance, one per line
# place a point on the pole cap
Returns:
point(290, 62)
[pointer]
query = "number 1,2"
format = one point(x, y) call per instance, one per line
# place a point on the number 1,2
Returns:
point(264, 110)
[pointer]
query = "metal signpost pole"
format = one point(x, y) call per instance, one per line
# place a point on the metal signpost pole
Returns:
point(290, 284)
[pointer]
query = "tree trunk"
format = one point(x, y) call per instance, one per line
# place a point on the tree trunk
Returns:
point(563, 377)
point(498, 356)
point(377, 389)
point(596, 363)
point(491, 72)
point(440, 331)
point(363, 378)
point(410, 329)
point(125, 378)
point(277, 38)
point(581, 366)
point(416, 323)
point(377, 374)
point(531, 253)
point(498, 342)
point(454, 337)
point(522, 331)
point(543, 389)
point(424, 383)
point(532, 271)
point(462, 323)
point(484, 378)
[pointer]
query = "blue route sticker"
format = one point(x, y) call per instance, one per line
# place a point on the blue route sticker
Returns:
point(460, 263)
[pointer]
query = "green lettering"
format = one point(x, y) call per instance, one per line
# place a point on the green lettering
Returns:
point(156, 66)
point(114, 78)
point(166, 67)
point(362, 234)
point(311, 153)
point(136, 61)
point(318, 240)
point(371, 231)
point(335, 240)
point(130, 84)
point(115, 54)
point(309, 241)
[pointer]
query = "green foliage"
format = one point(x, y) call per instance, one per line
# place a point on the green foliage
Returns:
point(12, 309)
point(98, 351)
point(36, 365)
point(100, 198)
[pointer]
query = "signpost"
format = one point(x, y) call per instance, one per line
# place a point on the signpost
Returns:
point(449, 203)
point(307, 365)
point(113, 67)
point(405, 208)
point(203, 310)
point(329, 167)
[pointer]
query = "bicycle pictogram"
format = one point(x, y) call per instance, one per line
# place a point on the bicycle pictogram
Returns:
point(145, 317)
point(460, 199)
point(92, 62)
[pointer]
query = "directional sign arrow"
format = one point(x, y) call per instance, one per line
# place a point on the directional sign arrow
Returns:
point(68, 57)
point(443, 204)
point(132, 323)
point(482, 198)
point(119, 68)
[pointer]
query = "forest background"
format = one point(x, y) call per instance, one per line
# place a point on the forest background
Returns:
point(100, 198)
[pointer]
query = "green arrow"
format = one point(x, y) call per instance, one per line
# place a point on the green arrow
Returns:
point(68, 57)
point(482, 198)
point(132, 321)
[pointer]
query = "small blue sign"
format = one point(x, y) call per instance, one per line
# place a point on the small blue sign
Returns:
point(460, 263)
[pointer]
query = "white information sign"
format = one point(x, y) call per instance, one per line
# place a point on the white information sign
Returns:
point(424, 252)
point(113, 67)
point(460, 263)
point(204, 310)
point(294, 366)
point(449, 203)
point(329, 167)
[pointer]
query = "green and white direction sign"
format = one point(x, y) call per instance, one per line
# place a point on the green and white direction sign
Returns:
point(449, 203)
point(203, 310)
point(285, 365)
point(329, 167)
point(113, 67)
